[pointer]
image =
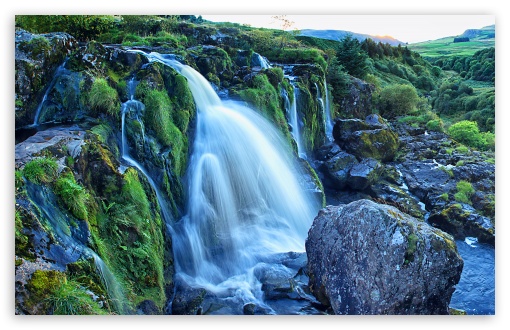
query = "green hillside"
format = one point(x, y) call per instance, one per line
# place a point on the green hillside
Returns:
point(478, 39)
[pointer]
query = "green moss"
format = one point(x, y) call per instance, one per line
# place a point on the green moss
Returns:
point(74, 196)
point(103, 99)
point(412, 241)
point(464, 192)
point(158, 119)
point(41, 170)
point(462, 149)
point(444, 196)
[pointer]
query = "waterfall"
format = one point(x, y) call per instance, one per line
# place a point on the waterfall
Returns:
point(327, 110)
point(46, 201)
point(245, 201)
point(264, 63)
point(136, 108)
point(60, 70)
point(328, 129)
point(294, 120)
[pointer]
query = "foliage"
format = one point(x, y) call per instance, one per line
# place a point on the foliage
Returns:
point(72, 195)
point(103, 99)
point(82, 27)
point(467, 132)
point(41, 170)
point(352, 57)
point(398, 99)
point(464, 192)
point(480, 66)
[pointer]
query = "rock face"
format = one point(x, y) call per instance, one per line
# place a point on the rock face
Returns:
point(371, 138)
point(358, 102)
point(36, 59)
point(367, 258)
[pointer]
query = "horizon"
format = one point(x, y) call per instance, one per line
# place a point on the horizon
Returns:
point(405, 28)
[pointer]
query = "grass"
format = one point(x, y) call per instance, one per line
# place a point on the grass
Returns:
point(464, 192)
point(446, 47)
point(41, 170)
point(74, 196)
point(103, 98)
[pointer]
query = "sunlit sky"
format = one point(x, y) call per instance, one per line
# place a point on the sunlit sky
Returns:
point(406, 28)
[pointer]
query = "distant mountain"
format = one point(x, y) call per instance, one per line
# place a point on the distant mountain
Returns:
point(478, 39)
point(340, 34)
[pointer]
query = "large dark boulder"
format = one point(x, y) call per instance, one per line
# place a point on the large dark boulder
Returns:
point(368, 258)
point(370, 138)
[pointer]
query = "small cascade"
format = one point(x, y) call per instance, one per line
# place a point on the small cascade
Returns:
point(71, 239)
point(327, 110)
point(264, 63)
point(135, 109)
point(328, 128)
point(60, 70)
point(293, 116)
point(245, 203)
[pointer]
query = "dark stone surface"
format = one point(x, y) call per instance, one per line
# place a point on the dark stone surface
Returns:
point(368, 258)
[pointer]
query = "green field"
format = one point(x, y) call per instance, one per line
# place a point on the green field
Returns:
point(478, 39)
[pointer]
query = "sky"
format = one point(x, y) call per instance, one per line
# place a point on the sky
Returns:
point(406, 28)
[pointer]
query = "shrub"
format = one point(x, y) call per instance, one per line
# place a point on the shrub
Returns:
point(467, 132)
point(41, 170)
point(464, 192)
point(397, 99)
point(435, 125)
point(102, 98)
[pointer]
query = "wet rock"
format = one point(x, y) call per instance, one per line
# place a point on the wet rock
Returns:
point(462, 220)
point(148, 307)
point(366, 139)
point(367, 258)
point(187, 300)
point(364, 174)
point(336, 170)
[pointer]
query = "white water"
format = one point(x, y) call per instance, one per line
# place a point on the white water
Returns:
point(59, 222)
point(61, 69)
point(328, 128)
point(245, 201)
point(135, 109)
point(294, 119)
point(327, 110)
point(264, 64)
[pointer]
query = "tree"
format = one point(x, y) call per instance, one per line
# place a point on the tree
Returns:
point(397, 99)
point(352, 57)
point(285, 25)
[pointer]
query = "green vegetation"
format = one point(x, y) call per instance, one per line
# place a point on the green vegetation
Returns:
point(72, 195)
point(41, 170)
point(464, 192)
point(480, 66)
point(466, 132)
point(396, 100)
point(103, 99)
point(444, 47)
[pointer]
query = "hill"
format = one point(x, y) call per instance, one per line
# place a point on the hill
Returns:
point(478, 39)
point(340, 34)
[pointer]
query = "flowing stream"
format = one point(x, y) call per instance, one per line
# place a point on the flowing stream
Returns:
point(74, 245)
point(294, 121)
point(245, 201)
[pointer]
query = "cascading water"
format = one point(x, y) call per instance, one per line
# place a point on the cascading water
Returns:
point(46, 202)
point(264, 64)
point(291, 108)
point(60, 70)
point(328, 129)
point(327, 110)
point(245, 202)
point(135, 109)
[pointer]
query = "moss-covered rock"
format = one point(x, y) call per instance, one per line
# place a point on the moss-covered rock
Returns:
point(37, 57)
point(367, 139)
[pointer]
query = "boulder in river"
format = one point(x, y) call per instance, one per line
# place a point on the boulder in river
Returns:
point(368, 258)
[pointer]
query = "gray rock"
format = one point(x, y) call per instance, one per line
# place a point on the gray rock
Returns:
point(367, 258)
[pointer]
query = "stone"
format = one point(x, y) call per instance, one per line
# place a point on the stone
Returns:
point(366, 258)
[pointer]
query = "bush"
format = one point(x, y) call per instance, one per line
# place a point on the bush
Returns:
point(435, 125)
point(397, 99)
point(41, 170)
point(467, 132)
